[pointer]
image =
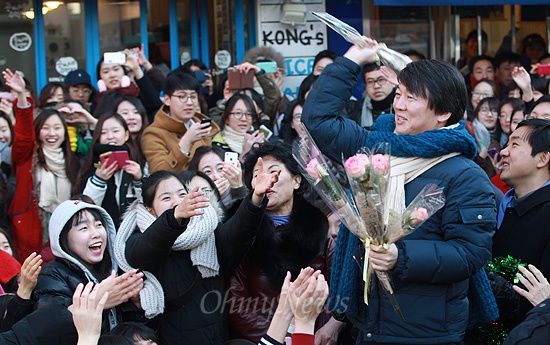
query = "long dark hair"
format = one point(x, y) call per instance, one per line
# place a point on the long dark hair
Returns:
point(72, 164)
point(86, 171)
point(47, 91)
point(100, 270)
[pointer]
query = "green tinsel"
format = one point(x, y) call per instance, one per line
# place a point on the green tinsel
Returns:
point(495, 332)
point(505, 267)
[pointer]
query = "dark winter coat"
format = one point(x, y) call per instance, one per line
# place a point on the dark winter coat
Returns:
point(202, 319)
point(435, 262)
point(525, 235)
point(300, 243)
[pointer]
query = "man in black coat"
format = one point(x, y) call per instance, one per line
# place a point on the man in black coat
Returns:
point(523, 215)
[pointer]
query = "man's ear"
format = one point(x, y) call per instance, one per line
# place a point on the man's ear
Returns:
point(443, 118)
point(166, 100)
point(544, 159)
point(297, 181)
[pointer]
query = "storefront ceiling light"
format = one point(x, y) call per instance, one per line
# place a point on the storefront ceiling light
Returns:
point(52, 5)
point(30, 13)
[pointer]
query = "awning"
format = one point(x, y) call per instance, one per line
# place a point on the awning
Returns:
point(457, 2)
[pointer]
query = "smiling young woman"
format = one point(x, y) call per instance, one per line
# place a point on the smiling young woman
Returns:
point(44, 165)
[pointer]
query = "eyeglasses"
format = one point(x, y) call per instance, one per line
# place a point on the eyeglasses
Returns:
point(380, 80)
point(84, 91)
point(545, 116)
point(239, 115)
point(481, 94)
point(485, 110)
point(186, 97)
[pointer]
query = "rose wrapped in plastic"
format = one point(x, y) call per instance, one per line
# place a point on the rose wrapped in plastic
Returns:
point(315, 170)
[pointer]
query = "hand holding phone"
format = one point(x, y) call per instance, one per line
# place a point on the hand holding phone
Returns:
point(232, 157)
point(206, 120)
point(266, 131)
point(115, 156)
point(492, 152)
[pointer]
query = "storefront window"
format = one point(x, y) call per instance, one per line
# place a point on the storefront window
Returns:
point(184, 31)
point(65, 38)
point(223, 30)
point(17, 33)
point(158, 26)
point(403, 28)
point(118, 25)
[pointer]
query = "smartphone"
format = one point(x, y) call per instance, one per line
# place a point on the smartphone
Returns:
point(237, 80)
point(231, 157)
point(234, 79)
point(114, 57)
point(115, 156)
point(268, 66)
point(201, 78)
point(206, 120)
point(266, 131)
point(494, 152)
point(543, 69)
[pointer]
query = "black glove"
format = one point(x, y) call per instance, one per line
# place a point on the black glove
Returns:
point(507, 298)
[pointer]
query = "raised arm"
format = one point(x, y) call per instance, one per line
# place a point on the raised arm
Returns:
point(323, 111)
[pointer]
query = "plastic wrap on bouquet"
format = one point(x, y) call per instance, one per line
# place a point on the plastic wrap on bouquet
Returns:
point(315, 170)
point(395, 60)
point(369, 175)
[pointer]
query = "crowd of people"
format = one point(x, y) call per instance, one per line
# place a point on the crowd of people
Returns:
point(153, 208)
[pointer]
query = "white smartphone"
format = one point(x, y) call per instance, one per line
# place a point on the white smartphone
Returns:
point(266, 131)
point(231, 157)
point(114, 57)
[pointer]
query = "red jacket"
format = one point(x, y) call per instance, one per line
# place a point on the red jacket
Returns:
point(26, 227)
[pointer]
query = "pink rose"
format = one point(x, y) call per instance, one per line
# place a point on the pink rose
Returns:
point(356, 165)
point(312, 170)
point(419, 215)
point(380, 163)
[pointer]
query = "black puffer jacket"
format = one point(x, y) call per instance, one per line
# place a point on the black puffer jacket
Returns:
point(201, 318)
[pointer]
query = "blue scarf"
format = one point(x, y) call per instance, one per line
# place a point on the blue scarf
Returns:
point(429, 144)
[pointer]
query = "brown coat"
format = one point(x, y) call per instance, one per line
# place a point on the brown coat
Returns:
point(160, 142)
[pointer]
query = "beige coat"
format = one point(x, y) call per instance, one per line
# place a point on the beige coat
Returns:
point(160, 140)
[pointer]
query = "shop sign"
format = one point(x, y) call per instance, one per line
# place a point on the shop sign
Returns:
point(66, 64)
point(20, 41)
point(222, 59)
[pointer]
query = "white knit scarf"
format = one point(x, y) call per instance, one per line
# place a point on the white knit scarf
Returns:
point(199, 238)
point(55, 187)
point(233, 139)
point(403, 170)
